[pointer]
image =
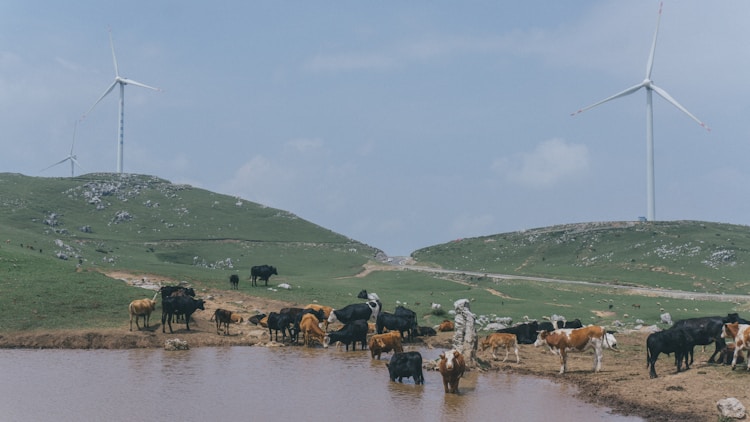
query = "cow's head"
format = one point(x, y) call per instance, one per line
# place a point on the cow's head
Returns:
point(541, 338)
point(449, 357)
point(730, 330)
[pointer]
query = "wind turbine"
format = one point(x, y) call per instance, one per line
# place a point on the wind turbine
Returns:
point(121, 82)
point(650, 88)
point(70, 157)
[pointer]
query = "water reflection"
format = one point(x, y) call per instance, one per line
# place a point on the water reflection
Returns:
point(264, 384)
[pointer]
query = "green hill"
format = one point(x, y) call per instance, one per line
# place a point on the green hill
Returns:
point(60, 236)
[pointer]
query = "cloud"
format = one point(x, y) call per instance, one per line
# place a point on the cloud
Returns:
point(548, 164)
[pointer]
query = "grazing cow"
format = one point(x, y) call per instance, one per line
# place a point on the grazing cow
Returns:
point(526, 333)
point(405, 365)
point(425, 331)
point(262, 272)
point(308, 325)
point(675, 340)
point(353, 332)
point(278, 321)
point(355, 311)
point(183, 305)
point(446, 325)
point(497, 340)
point(580, 339)
point(255, 320)
point(141, 308)
point(704, 331)
point(451, 367)
point(384, 343)
point(395, 323)
point(326, 312)
point(234, 280)
point(741, 335)
point(223, 317)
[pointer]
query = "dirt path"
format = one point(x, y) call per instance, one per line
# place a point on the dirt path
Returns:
point(623, 385)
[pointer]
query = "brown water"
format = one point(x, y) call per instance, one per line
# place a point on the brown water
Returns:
point(244, 383)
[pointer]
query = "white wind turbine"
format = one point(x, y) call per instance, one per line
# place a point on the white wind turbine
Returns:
point(121, 82)
point(650, 87)
point(71, 157)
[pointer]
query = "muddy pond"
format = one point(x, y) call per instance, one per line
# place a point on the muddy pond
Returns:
point(258, 383)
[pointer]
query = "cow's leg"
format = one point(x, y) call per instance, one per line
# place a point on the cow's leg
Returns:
point(515, 349)
point(720, 345)
point(445, 385)
point(598, 359)
point(507, 351)
point(563, 361)
point(734, 358)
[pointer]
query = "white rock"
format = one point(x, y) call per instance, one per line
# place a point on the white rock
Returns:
point(731, 408)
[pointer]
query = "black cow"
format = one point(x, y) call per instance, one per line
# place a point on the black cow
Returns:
point(234, 280)
point(546, 326)
point(167, 291)
point(355, 311)
point(319, 314)
point(405, 365)
point(675, 340)
point(425, 331)
point(705, 330)
point(395, 323)
point(576, 323)
point(179, 305)
point(353, 332)
point(526, 333)
point(411, 316)
point(256, 318)
point(277, 321)
point(262, 272)
point(223, 318)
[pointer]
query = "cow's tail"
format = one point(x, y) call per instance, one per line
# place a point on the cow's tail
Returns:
point(648, 356)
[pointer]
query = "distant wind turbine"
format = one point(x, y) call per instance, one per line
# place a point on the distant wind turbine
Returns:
point(121, 82)
point(71, 157)
point(650, 87)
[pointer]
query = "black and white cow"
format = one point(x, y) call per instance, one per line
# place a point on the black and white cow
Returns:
point(405, 365)
point(262, 272)
point(355, 311)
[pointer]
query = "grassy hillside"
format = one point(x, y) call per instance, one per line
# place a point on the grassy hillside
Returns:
point(684, 255)
point(59, 236)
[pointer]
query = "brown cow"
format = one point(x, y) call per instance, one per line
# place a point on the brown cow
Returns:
point(224, 317)
point(580, 339)
point(384, 343)
point(326, 312)
point(141, 308)
point(452, 367)
point(446, 325)
point(309, 328)
point(497, 340)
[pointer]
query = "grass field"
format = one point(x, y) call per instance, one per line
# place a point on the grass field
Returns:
point(58, 236)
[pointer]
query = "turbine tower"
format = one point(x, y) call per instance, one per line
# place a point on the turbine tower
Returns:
point(70, 157)
point(650, 87)
point(121, 82)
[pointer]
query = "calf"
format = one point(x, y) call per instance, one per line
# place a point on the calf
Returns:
point(255, 319)
point(183, 305)
point(498, 340)
point(222, 317)
point(425, 331)
point(675, 340)
point(741, 336)
point(405, 365)
point(234, 280)
point(355, 331)
point(384, 343)
point(141, 308)
point(578, 339)
point(451, 367)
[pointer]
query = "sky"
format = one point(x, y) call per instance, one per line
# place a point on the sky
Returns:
point(399, 124)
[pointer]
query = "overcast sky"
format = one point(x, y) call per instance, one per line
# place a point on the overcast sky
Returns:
point(399, 124)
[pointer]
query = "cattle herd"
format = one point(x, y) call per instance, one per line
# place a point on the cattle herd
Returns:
point(389, 330)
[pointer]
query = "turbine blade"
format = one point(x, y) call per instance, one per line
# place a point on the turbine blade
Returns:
point(111, 87)
point(73, 159)
point(136, 83)
point(75, 126)
point(59, 162)
point(650, 64)
point(628, 91)
point(674, 102)
point(114, 58)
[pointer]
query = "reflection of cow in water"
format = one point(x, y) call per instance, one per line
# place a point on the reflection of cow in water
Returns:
point(262, 272)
